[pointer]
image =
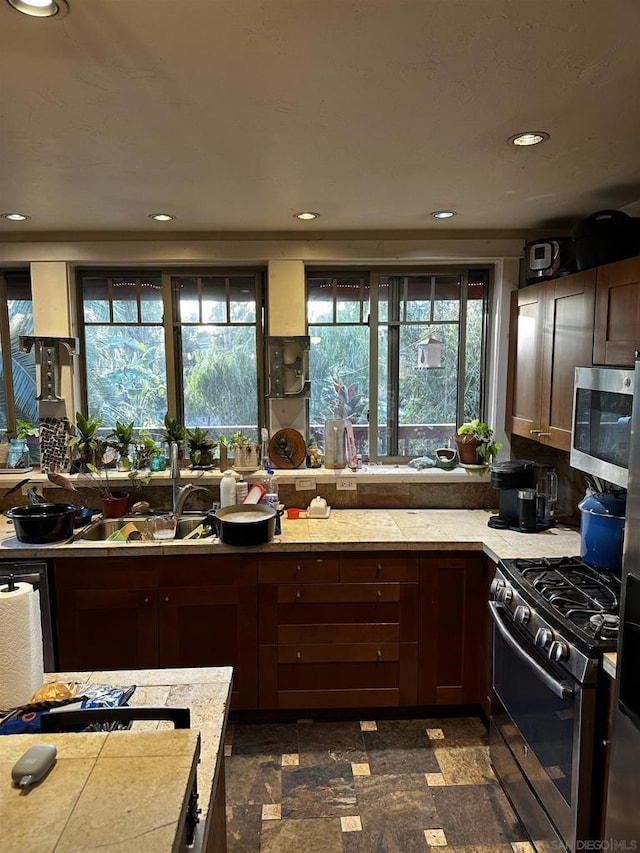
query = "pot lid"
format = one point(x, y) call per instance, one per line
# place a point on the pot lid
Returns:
point(604, 503)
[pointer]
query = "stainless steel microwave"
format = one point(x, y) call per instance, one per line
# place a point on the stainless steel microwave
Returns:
point(601, 425)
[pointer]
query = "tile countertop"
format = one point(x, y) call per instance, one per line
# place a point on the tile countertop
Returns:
point(125, 790)
point(361, 529)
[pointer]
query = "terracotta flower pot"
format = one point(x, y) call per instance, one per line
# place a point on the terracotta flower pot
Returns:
point(467, 449)
point(116, 506)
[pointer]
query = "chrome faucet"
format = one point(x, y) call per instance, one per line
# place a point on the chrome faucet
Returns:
point(179, 494)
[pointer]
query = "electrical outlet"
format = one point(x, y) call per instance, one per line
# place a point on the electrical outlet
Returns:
point(346, 484)
point(305, 484)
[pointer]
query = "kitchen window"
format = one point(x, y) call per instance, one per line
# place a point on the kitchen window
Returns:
point(187, 344)
point(368, 331)
point(17, 368)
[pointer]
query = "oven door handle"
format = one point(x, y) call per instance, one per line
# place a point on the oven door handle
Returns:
point(562, 689)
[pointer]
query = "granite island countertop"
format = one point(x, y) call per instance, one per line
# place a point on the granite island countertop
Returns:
point(356, 529)
point(125, 790)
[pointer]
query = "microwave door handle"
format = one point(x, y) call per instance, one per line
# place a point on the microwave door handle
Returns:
point(562, 689)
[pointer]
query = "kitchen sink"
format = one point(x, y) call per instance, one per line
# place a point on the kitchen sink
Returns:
point(102, 529)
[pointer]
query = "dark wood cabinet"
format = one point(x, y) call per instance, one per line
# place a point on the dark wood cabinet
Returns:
point(452, 628)
point(133, 613)
point(617, 326)
point(551, 334)
point(338, 633)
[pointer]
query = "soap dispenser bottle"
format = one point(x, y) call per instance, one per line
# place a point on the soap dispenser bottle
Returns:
point(228, 489)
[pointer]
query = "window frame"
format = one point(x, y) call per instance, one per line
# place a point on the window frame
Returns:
point(5, 345)
point(172, 325)
point(373, 275)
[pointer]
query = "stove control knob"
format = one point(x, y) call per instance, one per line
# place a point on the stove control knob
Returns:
point(544, 637)
point(522, 614)
point(505, 594)
point(496, 586)
point(559, 650)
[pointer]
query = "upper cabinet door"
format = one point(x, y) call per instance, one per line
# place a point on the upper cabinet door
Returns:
point(568, 332)
point(617, 327)
point(551, 334)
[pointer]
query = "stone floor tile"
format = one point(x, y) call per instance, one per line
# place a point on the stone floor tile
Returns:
point(331, 742)
point(368, 726)
point(271, 811)
point(435, 734)
point(435, 837)
point(351, 823)
point(400, 746)
point(464, 765)
point(290, 760)
point(243, 829)
point(302, 836)
point(390, 839)
point(404, 801)
point(476, 815)
point(252, 780)
point(361, 770)
point(318, 792)
point(461, 728)
point(435, 779)
point(522, 847)
point(265, 739)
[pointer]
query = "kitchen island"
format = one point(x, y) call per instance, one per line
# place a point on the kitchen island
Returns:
point(128, 790)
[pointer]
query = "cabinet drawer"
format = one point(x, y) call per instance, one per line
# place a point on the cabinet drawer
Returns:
point(386, 632)
point(339, 653)
point(299, 569)
point(340, 592)
point(382, 568)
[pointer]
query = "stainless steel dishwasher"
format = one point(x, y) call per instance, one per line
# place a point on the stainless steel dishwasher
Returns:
point(35, 572)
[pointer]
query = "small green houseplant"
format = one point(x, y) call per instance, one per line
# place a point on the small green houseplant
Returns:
point(123, 435)
point(475, 442)
point(86, 442)
point(201, 447)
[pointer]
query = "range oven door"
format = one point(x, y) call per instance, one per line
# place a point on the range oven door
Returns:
point(546, 722)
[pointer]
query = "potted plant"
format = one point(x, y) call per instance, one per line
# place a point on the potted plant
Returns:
point(201, 447)
point(86, 441)
point(123, 434)
point(245, 453)
point(176, 432)
point(475, 443)
point(148, 453)
point(114, 503)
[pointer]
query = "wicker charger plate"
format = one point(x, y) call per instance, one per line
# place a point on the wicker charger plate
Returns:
point(287, 449)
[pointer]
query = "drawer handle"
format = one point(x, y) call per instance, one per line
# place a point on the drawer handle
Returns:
point(298, 568)
point(298, 594)
point(379, 568)
point(534, 432)
point(540, 434)
point(298, 655)
point(166, 598)
point(379, 593)
point(146, 599)
point(379, 653)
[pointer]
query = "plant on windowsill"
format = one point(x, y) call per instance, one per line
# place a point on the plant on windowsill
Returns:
point(174, 431)
point(86, 441)
point(123, 435)
point(201, 447)
point(475, 443)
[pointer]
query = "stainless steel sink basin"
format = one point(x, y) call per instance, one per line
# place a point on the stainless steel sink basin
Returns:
point(102, 529)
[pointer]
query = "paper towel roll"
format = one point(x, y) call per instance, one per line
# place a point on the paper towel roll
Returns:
point(21, 655)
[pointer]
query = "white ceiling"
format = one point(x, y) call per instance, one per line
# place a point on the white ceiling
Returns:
point(235, 114)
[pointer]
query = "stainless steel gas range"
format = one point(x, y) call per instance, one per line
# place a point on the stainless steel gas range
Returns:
point(552, 621)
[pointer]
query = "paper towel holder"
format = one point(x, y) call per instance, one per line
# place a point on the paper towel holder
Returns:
point(12, 585)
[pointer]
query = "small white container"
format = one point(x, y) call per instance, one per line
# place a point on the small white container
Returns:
point(228, 489)
point(318, 508)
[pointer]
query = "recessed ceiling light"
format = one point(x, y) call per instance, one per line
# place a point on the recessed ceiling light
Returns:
point(161, 217)
point(443, 214)
point(41, 8)
point(306, 214)
point(14, 217)
point(530, 137)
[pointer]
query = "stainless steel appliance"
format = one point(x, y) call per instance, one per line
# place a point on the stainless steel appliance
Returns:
point(36, 573)
point(601, 425)
point(547, 259)
point(623, 798)
point(553, 620)
point(527, 494)
point(336, 451)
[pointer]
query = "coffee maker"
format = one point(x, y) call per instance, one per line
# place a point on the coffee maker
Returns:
point(521, 506)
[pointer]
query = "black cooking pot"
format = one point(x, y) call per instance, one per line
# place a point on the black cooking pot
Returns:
point(244, 524)
point(43, 523)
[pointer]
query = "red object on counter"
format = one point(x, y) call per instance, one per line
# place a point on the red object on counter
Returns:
point(255, 494)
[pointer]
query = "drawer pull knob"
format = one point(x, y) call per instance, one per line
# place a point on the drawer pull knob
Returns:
point(146, 599)
point(379, 653)
point(298, 568)
point(298, 655)
point(379, 593)
point(166, 598)
point(379, 568)
point(298, 594)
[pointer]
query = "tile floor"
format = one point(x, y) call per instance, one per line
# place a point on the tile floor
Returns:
point(368, 786)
